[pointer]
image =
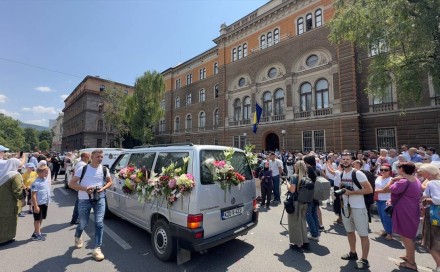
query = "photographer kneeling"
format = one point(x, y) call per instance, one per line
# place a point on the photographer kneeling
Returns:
point(354, 211)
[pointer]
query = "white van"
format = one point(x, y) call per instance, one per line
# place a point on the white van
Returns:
point(110, 155)
point(204, 218)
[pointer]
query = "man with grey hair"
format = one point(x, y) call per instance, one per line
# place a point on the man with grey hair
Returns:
point(392, 156)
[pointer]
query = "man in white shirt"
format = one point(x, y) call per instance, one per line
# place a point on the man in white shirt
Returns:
point(276, 165)
point(85, 158)
point(91, 194)
point(354, 211)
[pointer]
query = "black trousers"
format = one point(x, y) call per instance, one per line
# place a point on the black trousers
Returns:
point(265, 194)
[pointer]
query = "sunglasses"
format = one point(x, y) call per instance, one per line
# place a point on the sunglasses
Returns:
point(384, 170)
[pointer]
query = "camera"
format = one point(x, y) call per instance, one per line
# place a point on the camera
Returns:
point(289, 162)
point(343, 190)
point(96, 195)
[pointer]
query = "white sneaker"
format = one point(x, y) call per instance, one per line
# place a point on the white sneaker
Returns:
point(97, 254)
point(313, 238)
point(78, 242)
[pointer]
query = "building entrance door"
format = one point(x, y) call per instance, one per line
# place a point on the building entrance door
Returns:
point(272, 142)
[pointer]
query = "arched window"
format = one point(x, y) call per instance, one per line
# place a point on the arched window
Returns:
point(306, 97)
point(215, 68)
point(100, 125)
point(237, 109)
point(309, 22)
point(216, 118)
point(188, 99)
point(240, 52)
point(234, 54)
point(216, 90)
point(177, 103)
point(279, 102)
point(188, 124)
point(269, 38)
point(276, 36)
point(245, 50)
point(202, 95)
point(202, 118)
point(177, 124)
point(267, 104)
point(247, 108)
point(321, 89)
point(263, 41)
point(300, 26)
point(318, 18)
point(387, 96)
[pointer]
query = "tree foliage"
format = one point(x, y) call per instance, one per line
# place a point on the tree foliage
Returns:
point(407, 32)
point(31, 139)
point(45, 135)
point(11, 134)
point(114, 111)
point(144, 108)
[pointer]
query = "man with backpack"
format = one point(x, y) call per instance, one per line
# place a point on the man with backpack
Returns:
point(85, 159)
point(91, 181)
point(354, 186)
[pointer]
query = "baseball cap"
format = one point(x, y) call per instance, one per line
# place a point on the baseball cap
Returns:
point(3, 148)
point(29, 164)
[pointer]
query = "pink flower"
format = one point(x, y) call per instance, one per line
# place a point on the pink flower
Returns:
point(190, 176)
point(219, 164)
point(172, 183)
point(133, 176)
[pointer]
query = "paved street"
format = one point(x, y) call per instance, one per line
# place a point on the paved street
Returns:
point(127, 248)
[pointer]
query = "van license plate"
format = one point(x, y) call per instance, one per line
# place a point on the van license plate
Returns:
point(231, 213)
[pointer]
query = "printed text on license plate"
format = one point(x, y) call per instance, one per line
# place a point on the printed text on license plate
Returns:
point(231, 213)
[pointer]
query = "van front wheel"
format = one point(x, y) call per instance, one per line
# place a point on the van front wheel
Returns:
point(164, 245)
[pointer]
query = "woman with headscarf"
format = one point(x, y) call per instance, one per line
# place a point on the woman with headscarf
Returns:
point(11, 186)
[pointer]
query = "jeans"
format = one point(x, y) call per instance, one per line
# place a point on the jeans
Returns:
point(276, 188)
point(387, 222)
point(75, 212)
point(312, 219)
point(84, 207)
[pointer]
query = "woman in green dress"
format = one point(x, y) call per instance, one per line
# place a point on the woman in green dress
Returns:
point(11, 186)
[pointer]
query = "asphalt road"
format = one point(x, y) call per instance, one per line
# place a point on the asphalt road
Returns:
point(127, 247)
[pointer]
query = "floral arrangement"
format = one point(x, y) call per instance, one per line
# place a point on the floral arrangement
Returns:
point(132, 177)
point(250, 155)
point(172, 183)
point(224, 173)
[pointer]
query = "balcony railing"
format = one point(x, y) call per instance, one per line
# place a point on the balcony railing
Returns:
point(436, 100)
point(383, 107)
point(268, 45)
point(313, 113)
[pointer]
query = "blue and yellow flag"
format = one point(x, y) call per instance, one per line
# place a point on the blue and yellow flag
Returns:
point(257, 116)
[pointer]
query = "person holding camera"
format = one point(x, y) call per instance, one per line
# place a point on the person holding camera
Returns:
point(354, 211)
point(91, 194)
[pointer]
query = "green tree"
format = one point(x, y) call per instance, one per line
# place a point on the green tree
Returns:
point(144, 108)
point(45, 135)
point(11, 134)
point(406, 34)
point(31, 139)
point(44, 145)
point(114, 99)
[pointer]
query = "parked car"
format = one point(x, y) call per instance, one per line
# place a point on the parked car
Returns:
point(110, 155)
point(204, 218)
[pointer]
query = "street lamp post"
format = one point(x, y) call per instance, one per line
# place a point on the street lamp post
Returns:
point(244, 136)
point(283, 132)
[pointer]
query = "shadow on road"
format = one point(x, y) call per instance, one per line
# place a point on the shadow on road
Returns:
point(294, 260)
point(58, 263)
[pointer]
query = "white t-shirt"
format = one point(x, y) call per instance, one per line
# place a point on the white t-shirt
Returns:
point(337, 178)
point(356, 201)
point(327, 173)
point(79, 165)
point(92, 177)
point(380, 183)
point(433, 191)
point(273, 165)
point(435, 157)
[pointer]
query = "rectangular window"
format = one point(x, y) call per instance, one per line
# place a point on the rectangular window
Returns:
point(386, 138)
point(239, 141)
point(314, 140)
point(189, 78)
point(178, 83)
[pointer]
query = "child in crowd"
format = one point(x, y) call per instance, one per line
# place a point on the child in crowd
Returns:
point(40, 200)
point(28, 178)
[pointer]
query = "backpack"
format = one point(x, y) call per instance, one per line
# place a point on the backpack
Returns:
point(84, 169)
point(322, 189)
point(368, 198)
point(289, 203)
point(306, 190)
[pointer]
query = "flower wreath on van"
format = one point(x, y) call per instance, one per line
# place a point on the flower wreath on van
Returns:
point(172, 183)
point(132, 177)
point(251, 157)
point(224, 173)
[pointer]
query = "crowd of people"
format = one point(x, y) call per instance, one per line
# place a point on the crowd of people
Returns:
point(404, 187)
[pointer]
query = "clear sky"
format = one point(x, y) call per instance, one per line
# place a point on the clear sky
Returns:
point(48, 47)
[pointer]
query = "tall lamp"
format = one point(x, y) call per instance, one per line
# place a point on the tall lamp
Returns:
point(283, 132)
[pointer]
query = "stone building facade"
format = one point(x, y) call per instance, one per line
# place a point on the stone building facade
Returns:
point(311, 91)
point(83, 123)
point(57, 130)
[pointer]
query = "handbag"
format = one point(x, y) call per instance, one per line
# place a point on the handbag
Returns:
point(390, 208)
point(288, 203)
point(434, 215)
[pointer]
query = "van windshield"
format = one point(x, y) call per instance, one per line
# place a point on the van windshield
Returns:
point(207, 157)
